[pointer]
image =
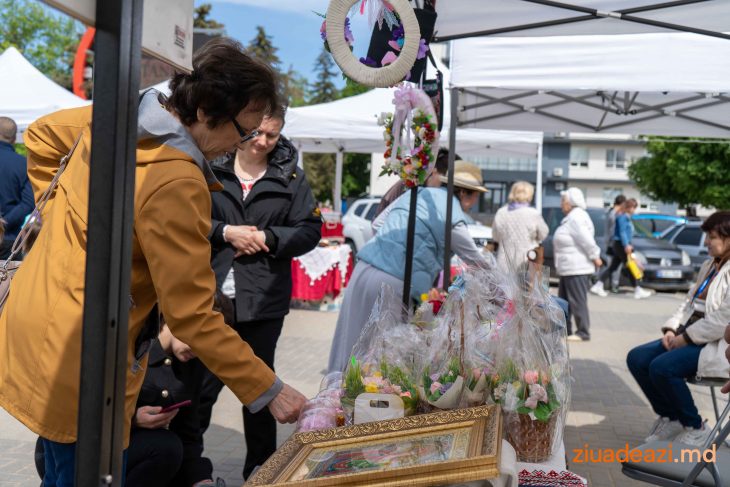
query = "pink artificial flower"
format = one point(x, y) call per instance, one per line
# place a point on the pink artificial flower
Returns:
point(405, 394)
point(394, 45)
point(435, 387)
point(531, 377)
point(477, 373)
point(389, 58)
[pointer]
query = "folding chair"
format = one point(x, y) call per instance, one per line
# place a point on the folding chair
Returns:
point(710, 382)
point(671, 474)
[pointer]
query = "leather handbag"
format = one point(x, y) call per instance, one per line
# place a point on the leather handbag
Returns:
point(10, 266)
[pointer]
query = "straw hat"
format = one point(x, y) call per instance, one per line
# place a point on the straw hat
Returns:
point(467, 175)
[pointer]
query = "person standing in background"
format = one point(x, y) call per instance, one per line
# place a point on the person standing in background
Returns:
point(264, 217)
point(577, 256)
point(605, 276)
point(16, 194)
point(518, 227)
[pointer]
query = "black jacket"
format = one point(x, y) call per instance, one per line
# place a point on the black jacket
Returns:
point(281, 204)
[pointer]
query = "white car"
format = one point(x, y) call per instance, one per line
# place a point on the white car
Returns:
point(357, 222)
point(357, 225)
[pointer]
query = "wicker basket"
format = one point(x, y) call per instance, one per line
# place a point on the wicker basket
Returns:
point(532, 439)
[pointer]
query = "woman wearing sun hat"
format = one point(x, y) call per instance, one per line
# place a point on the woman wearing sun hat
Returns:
point(382, 259)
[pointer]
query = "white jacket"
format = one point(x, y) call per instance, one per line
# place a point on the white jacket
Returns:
point(710, 329)
point(517, 231)
point(574, 245)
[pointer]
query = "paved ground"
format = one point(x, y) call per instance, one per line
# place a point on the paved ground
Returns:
point(607, 411)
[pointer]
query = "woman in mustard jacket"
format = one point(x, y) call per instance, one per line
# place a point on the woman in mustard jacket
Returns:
point(209, 112)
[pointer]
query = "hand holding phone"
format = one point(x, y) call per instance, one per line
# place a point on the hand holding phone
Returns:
point(175, 406)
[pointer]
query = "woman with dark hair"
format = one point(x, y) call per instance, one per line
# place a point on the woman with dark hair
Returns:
point(211, 111)
point(692, 344)
point(264, 217)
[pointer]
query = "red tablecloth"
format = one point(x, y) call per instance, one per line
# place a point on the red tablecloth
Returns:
point(332, 282)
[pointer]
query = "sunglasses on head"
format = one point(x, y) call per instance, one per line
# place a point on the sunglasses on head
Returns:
point(244, 136)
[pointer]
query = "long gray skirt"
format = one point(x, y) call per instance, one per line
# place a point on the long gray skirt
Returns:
point(360, 297)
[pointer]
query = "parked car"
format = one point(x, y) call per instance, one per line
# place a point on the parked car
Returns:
point(658, 224)
point(357, 222)
point(690, 238)
point(357, 225)
point(666, 266)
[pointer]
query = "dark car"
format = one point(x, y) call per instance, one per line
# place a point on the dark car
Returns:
point(690, 238)
point(666, 266)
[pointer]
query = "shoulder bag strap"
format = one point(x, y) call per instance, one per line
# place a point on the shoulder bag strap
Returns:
point(40, 205)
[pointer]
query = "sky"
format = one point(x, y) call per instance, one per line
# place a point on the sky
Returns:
point(291, 24)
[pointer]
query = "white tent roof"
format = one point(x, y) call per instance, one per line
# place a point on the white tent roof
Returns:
point(651, 84)
point(469, 18)
point(351, 124)
point(26, 94)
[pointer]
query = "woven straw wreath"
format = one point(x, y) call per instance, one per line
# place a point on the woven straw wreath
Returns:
point(386, 76)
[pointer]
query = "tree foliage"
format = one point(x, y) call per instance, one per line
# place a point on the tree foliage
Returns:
point(46, 38)
point(324, 89)
point(262, 48)
point(201, 20)
point(688, 173)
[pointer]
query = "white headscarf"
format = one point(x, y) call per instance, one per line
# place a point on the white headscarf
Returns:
point(575, 197)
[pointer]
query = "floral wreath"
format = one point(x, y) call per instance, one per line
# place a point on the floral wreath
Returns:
point(414, 111)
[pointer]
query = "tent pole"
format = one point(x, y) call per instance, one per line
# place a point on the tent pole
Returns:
point(450, 186)
point(538, 178)
point(337, 191)
point(410, 242)
point(109, 250)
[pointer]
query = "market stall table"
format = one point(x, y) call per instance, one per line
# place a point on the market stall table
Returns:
point(321, 272)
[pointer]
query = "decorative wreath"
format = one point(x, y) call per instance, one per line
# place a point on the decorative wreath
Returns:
point(414, 112)
point(340, 47)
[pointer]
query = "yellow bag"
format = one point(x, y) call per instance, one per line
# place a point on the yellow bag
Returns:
point(634, 267)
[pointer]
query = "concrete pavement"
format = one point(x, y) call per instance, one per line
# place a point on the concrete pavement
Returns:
point(607, 411)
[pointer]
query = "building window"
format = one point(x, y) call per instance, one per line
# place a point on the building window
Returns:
point(579, 156)
point(609, 195)
point(616, 158)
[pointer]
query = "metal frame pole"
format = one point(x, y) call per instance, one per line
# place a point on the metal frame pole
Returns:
point(337, 189)
point(108, 261)
point(538, 177)
point(450, 185)
point(410, 243)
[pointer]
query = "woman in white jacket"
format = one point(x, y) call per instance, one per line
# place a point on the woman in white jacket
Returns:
point(576, 256)
point(692, 344)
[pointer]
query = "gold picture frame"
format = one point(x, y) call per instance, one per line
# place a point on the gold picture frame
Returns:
point(430, 449)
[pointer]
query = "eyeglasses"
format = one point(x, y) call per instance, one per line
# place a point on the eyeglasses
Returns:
point(244, 136)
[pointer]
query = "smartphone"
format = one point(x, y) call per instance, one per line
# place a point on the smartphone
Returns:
point(173, 407)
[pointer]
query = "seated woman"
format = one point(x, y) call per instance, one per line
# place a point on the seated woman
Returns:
point(692, 344)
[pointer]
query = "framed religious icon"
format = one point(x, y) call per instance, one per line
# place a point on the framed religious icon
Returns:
point(430, 449)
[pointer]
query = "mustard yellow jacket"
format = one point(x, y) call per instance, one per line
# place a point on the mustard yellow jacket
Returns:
point(40, 328)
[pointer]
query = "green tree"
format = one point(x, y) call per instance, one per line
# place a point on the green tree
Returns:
point(46, 38)
point(295, 87)
point(201, 20)
point(355, 174)
point(262, 48)
point(323, 89)
point(320, 171)
point(688, 173)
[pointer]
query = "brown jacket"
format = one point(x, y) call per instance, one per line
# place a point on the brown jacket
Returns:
point(40, 328)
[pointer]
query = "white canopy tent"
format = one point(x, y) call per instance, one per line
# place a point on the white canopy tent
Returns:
point(472, 18)
point(26, 94)
point(350, 125)
point(653, 84)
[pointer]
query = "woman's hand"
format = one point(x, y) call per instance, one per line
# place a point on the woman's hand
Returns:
point(598, 263)
point(149, 417)
point(246, 239)
point(678, 342)
point(181, 350)
point(667, 339)
point(628, 249)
